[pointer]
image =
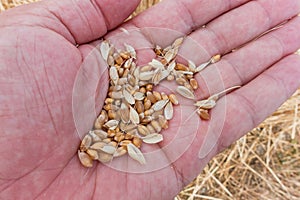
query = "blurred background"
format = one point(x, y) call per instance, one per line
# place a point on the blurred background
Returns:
point(264, 164)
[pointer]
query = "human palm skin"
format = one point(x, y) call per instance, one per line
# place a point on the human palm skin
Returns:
point(43, 45)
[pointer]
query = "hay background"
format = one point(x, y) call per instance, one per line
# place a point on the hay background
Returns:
point(265, 164)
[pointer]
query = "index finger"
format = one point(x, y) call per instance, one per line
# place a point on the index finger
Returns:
point(184, 15)
point(77, 21)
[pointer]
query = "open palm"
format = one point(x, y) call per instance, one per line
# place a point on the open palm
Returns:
point(40, 59)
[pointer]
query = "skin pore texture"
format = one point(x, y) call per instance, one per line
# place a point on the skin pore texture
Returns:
point(40, 59)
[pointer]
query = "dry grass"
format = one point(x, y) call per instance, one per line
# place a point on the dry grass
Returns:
point(6, 4)
point(265, 164)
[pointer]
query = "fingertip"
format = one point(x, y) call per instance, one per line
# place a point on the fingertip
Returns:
point(116, 12)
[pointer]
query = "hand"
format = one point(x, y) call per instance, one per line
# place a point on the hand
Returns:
point(39, 61)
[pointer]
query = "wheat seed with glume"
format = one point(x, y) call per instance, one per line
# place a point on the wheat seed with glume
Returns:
point(134, 113)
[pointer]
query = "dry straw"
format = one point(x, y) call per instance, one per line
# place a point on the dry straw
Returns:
point(262, 165)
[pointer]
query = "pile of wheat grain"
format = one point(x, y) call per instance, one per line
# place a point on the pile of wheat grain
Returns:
point(265, 164)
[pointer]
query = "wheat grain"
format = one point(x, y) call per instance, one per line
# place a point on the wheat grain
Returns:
point(94, 136)
point(112, 124)
point(120, 152)
point(131, 50)
point(104, 157)
point(119, 137)
point(133, 113)
point(215, 59)
point(153, 138)
point(93, 154)
point(168, 111)
point(85, 143)
point(137, 142)
point(105, 49)
point(173, 99)
point(134, 116)
point(100, 133)
point(203, 114)
point(150, 128)
point(128, 97)
point(143, 130)
point(206, 104)
point(114, 75)
point(135, 153)
point(156, 126)
point(185, 92)
point(98, 145)
point(139, 96)
point(163, 122)
point(194, 83)
point(159, 105)
point(157, 64)
point(85, 159)
point(108, 149)
point(146, 76)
